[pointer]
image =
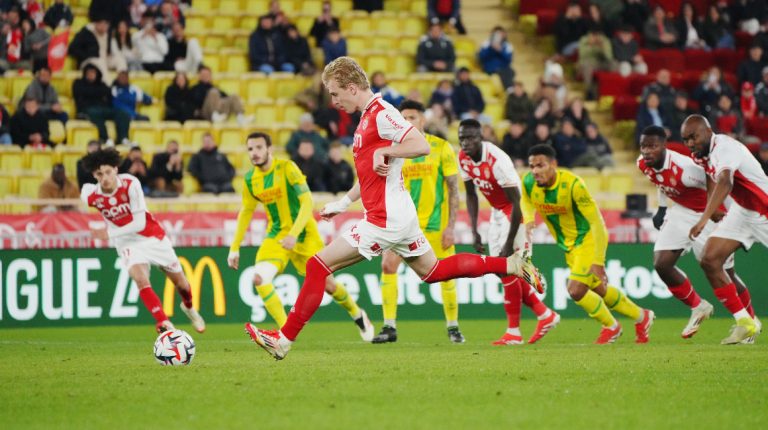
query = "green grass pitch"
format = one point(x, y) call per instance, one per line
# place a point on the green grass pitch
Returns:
point(106, 378)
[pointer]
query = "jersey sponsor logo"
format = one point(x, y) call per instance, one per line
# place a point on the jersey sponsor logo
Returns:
point(417, 170)
point(394, 123)
point(482, 184)
point(270, 195)
point(376, 248)
point(195, 277)
point(550, 209)
point(418, 243)
point(364, 124)
point(116, 211)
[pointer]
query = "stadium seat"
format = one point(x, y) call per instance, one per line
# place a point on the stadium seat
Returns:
point(196, 23)
point(62, 84)
point(357, 25)
point(403, 63)
point(419, 7)
point(212, 60)
point(357, 45)
point(193, 134)
point(304, 23)
point(291, 113)
point(728, 59)
point(637, 82)
point(617, 182)
point(236, 61)
point(57, 132)
point(284, 135)
point(143, 133)
point(494, 109)
point(545, 21)
point(18, 85)
point(39, 160)
point(205, 5)
point(378, 62)
point(215, 41)
point(413, 26)
point(171, 130)
point(625, 107)
point(591, 177)
point(409, 45)
point(671, 59)
point(29, 184)
point(266, 113)
point(225, 21)
point(230, 137)
point(465, 46)
point(79, 133)
point(698, 59)
point(386, 22)
point(611, 83)
point(7, 184)
point(68, 157)
point(11, 158)
point(341, 6)
point(258, 89)
point(145, 81)
point(286, 85)
point(249, 23)
point(312, 7)
point(758, 127)
point(191, 186)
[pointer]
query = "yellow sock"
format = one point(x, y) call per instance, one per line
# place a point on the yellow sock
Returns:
point(346, 301)
point(272, 303)
point(389, 296)
point(597, 310)
point(619, 302)
point(450, 303)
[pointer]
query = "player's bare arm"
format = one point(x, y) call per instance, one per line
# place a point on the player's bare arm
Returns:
point(472, 208)
point(720, 192)
point(719, 214)
point(448, 238)
point(334, 208)
point(413, 145)
point(513, 195)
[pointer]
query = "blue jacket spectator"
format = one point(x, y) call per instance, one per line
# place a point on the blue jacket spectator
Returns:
point(389, 94)
point(334, 46)
point(570, 146)
point(125, 97)
point(495, 56)
point(650, 113)
point(265, 48)
point(467, 100)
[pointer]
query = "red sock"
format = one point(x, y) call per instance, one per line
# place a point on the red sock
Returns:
point(310, 296)
point(729, 298)
point(186, 296)
point(531, 300)
point(512, 300)
point(466, 266)
point(152, 303)
point(685, 293)
point(746, 300)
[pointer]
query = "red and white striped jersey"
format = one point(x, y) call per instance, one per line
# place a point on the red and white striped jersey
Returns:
point(120, 208)
point(386, 202)
point(680, 179)
point(490, 175)
point(750, 184)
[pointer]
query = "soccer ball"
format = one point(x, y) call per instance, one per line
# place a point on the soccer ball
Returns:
point(174, 348)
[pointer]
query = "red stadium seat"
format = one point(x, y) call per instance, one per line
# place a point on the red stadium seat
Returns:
point(638, 82)
point(671, 59)
point(625, 107)
point(545, 21)
point(678, 147)
point(758, 127)
point(728, 59)
point(743, 39)
point(698, 59)
point(672, 7)
point(612, 84)
point(733, 81)
point(534, 6)
point(690, 80)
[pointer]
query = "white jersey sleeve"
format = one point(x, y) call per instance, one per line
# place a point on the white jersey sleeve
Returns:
point(86, 192)
point(391, 125)
point(726, 155)
point(136, 196)
point(503, 169)
point(464, 174)
point(693, 175)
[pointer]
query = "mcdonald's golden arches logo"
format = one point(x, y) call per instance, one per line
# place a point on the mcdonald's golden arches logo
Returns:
point(195, 278)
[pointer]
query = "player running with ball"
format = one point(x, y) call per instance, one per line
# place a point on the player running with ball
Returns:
point(680, 179)
point(381, 141)
point(139, 239)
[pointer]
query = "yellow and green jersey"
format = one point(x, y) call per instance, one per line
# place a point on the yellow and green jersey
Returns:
point(569, 211)
point(278, 189)
point(425, 180)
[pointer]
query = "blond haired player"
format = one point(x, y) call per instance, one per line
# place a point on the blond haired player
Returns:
point(382, 140)
point(432, 181)
point(292, 233)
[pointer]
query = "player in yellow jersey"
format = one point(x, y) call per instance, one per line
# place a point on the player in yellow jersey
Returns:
point(292, 233)
point(574, 220)
point(433, 184)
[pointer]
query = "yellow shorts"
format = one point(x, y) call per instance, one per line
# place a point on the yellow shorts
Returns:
point(580, 261)
point(272, 252)
point(435, 239)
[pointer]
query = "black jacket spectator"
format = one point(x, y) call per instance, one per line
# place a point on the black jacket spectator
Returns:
point(624, 52)
point(339, 177)
point(663, 88)
point(265, 46)
point(435, 52)
point(58, 13)
point(91, 94)
point(212, 170)
point(5, 121)
point(569, 29)
point(313, 170)
point(635, 14)
point(85, 46)
point(179, 102)
point(323, 24)
point(159, 168)
point(751, 69)
point(466, 97)
point(714, 30)
point(519, 106)
point(297, 51)
point(578, 115)
point(709, 90)
point(569, 146)
point(516, 143)
point(24, 124)
point(761, 95)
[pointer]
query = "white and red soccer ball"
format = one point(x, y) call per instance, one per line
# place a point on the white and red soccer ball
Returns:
point(174, 348)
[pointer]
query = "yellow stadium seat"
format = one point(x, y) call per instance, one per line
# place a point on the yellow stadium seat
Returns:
point(419, 7)
point(230, 138)
point(11, 158)
point(312, 7)
point(357, 25)
point(240, 38)
point(224, 22)
point(409, 45)
point(29, 185)
point(19, 85)
point(56, 130)
point(79, 133)
point(69, 158)
point(259, 88)
point(464, 46)
point(379, 62)
point(193, 134)
point(617, 182)
point(170, 130)
point(291, 113)
point(39, 160)
point(304, 23)
point(145, 81)
point(230, 6)
point(266, 113)
point(205, 5)
point(62, 84)
point(486, 86)
point(212, 60)
point(236, 61)
point(70, 64)
point(413, 25)
point(404, 63)
point(395, 5)
point(286, 86)
point(386, 23)
point(358, 45)
point(196, 24)
point(7, 185)
point(144, 133)
point(284, 134)
point(78, 23)
point(384, 41)
point(290, 7)
point(591, 176)
point(191, 186)
point(215, 41)
point(230, 84)
point(249, 22)
point(494, 108)
point(341, 6)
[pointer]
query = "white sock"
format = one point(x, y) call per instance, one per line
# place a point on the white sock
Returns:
point(741, 314)
point(390, 323)
point(451, 324)
point(515, 331)
point(284, 340)
point(613, 327)
point(545, 315)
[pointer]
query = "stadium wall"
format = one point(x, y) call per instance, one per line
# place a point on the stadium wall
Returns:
point(59, 287)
